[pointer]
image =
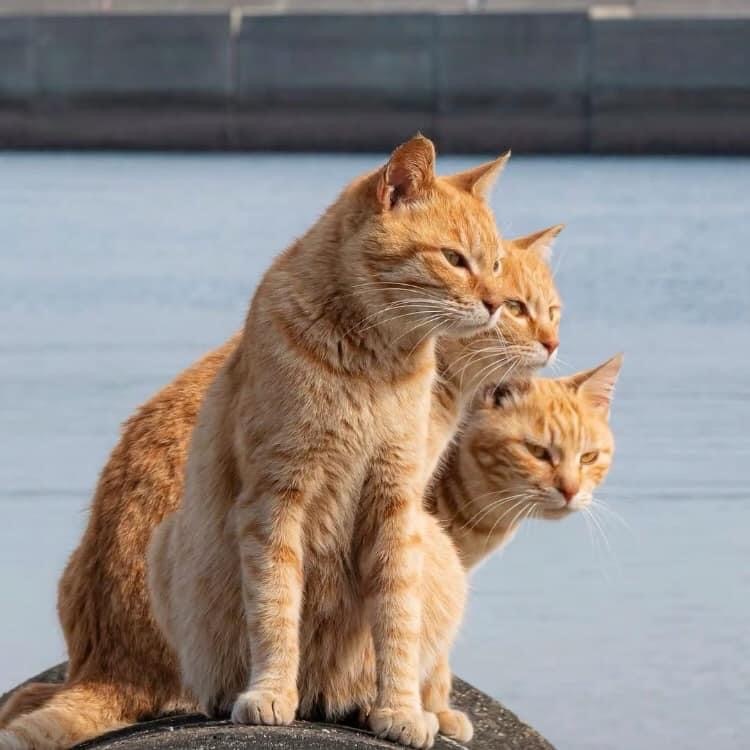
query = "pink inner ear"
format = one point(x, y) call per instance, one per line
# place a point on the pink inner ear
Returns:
point(402, 183)
point(409, 171)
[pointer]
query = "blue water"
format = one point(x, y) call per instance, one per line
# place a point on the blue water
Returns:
point(117, 271)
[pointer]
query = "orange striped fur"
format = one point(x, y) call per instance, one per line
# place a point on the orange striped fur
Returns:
point(306, 471)
point(120, 667)
point(513, 351)
point(534, 449)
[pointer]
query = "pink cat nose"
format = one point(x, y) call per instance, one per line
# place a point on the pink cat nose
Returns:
point(491, 305)
point(568, 491)
point(550, 344)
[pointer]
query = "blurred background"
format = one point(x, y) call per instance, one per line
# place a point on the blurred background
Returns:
point(157, 155)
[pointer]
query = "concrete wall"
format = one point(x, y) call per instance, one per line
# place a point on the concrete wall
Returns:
point(670, 85)
point(517, 80)
point(536, 82)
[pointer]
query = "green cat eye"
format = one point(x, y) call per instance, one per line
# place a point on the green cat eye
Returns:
point(539, 452)
point(455, 258)
point(516, 307)
point(554, 312)
point(590, 457)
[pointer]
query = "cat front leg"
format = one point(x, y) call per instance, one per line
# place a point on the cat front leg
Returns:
point(269, 535)
point(444, 589)
point(436, 691)
point(392, 571)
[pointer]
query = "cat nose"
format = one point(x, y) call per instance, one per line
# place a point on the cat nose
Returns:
point(568, 491)
point(550, 344)
point(491, 305)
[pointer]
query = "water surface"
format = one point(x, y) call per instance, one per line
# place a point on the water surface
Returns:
point(117, 271)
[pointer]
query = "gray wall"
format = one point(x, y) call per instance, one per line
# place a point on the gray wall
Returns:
point(535, 82)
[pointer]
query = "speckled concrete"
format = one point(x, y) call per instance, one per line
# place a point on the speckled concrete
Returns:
point(495, 728)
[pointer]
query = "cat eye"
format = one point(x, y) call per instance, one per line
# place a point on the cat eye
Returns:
point(455, 258)
point(539, 452)
point(496, 266)
point(516, 307)
point(554, 312)
point(590, 457)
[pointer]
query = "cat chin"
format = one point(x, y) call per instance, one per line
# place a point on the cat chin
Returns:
point(555, 514)
point(541, 359)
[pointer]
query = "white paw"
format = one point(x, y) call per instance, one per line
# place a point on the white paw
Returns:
point(11, 741)
point(407, 726)
point(455, 724)
point(263, 707)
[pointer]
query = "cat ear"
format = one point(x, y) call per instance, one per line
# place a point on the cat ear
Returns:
point(409, 172)
point(539, 242)
point(597, 386)
point(479, 180)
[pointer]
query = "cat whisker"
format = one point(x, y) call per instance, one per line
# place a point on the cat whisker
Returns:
point(441, 321)
point(510, 526)
point(425, 322)
point(607, 548)
point(602, 506)
point(497, 358)
point(471, 353)
point(424, 312)
point(483, 512)
point(480, 376)
point(387, 308)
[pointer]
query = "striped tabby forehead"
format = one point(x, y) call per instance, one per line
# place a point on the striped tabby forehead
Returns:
point(445, 217)
point(547, 412)
point(528, 279)
point(527, 275)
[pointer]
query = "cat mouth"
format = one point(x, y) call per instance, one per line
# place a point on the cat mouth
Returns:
point(556, 513)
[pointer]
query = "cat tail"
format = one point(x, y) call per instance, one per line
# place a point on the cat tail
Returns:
point(73, 713)
point(27, 698)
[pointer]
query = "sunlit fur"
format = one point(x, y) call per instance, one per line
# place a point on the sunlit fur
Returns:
point(120, 668)
point(495, 476)
point(301, 535)
point(513, 351)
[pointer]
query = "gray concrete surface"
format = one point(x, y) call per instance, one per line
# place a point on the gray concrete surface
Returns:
point(697, 8)
point(515, 79)
point(670, 85)
point(613, 80)
point(495, 728)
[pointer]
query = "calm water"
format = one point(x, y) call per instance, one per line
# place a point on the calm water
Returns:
point(117, 271)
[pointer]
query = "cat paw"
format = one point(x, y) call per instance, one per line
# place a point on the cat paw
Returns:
point(406, 726)
point(263, 707)
point(455, 724)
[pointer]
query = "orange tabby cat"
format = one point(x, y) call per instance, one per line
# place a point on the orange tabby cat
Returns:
point(130, 673)
point(525, 339)
point(268, 514)
point(505, 467)
point(530, 449)
point(119, 666)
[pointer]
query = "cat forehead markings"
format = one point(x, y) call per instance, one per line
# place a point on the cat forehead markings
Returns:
point(479, 242)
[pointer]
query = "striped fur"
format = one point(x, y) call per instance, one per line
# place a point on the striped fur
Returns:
point(492, 480)
point(306, 472)
point(120, 667)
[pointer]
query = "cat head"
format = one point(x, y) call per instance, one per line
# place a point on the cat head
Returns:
point(526, 337)
point(542, 447)
point(431, 257)
point(531, 321)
